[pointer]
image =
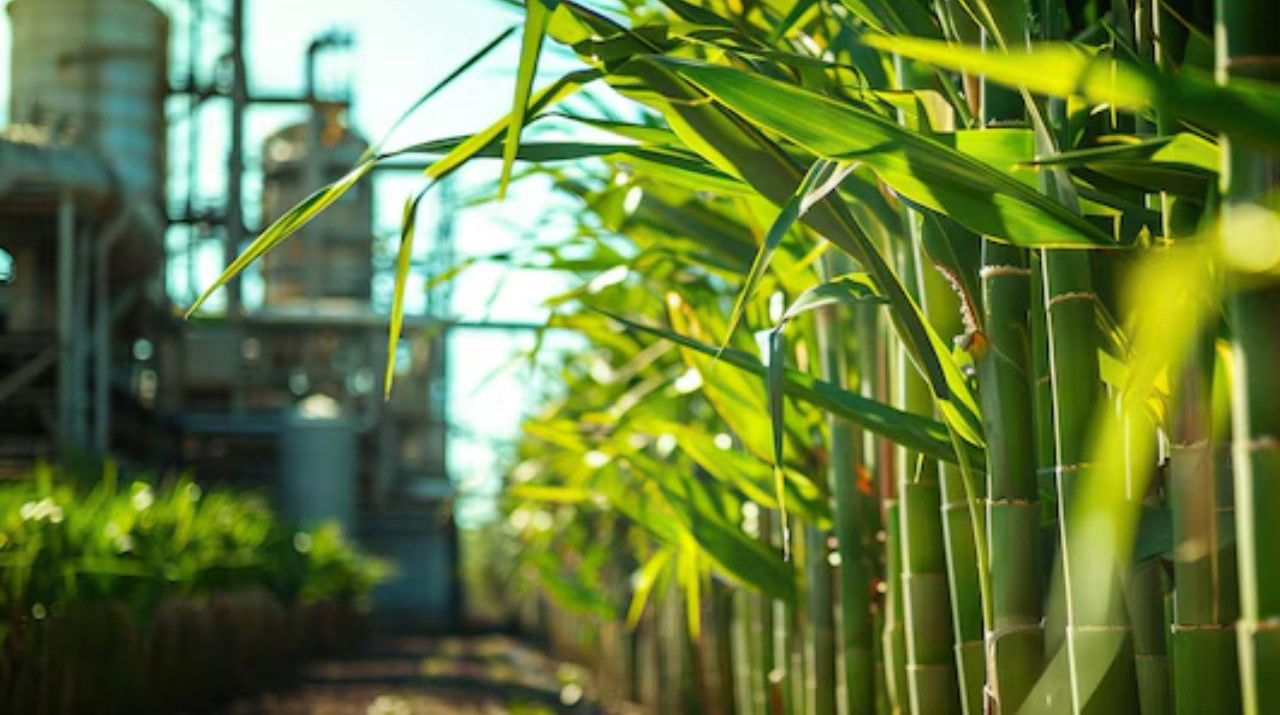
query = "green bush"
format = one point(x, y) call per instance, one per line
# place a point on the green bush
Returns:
point(141, 595)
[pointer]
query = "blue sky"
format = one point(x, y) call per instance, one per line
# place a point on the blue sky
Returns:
point(401, 48)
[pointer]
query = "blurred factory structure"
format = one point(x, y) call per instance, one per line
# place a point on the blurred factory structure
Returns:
point(94, 357)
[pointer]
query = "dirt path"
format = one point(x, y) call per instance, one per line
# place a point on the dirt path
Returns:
point(488, 675)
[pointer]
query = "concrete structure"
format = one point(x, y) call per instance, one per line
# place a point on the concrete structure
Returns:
point(94, 73)
point(93, 357)
point(81, 180)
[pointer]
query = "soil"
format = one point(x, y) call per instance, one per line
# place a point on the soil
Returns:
point(479, 675)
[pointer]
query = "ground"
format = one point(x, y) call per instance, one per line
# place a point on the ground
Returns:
point(489, 675)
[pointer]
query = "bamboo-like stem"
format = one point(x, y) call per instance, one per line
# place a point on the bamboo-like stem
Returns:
point(770, 676)
point(798, 674)
point(930, 669)
point(1098, 639)
point(959, 509)
point(931, 675)
point(821, 699)
point(965, 591)
point(894, 645)
point(1145, 590)
point(1249, 47)
point(877, 459)
point(671, 650)
point(850, 512)
point(1144, 595)
point(717, 645)
point(1015, 641)
point(747, 690)
point(1205, 606)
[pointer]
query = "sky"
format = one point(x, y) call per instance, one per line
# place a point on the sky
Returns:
point(402, 47)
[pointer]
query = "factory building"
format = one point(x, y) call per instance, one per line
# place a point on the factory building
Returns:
point(287, 396)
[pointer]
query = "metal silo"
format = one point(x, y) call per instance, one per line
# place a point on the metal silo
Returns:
point(94, 72)
point(319, 458)
point(328, 265)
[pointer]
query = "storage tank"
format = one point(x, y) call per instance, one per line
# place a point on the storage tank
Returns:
point(318, 461)
point(94, 72)
point(328, 264)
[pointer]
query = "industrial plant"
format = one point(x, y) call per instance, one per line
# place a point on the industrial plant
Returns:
point(280, 390)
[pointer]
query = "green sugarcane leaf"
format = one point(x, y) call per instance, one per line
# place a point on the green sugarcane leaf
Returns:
point(404, 259)
point(646, 577)
point(895, 16)
point(925, 171)
point(797, 12)
point(307, 209)
point(917, 433)
point(1004, 20)
point(284, 227)
point(690, 577)
point(474, 144)
point(299, 215)
point(1249, 110)
point(850, 289)
point(734, 145)
point(821, 179)
point(697, 515)
point(1183, 149)
point(537, 16)
point(642, 133)
point(570, 592)
point(671, 164)
point(548, 493)
point(1182, 164)
point(696, 14)
point(751, 476)
point(736, 397)
point(777, 404)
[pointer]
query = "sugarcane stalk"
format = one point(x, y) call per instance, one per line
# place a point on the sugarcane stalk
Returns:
point(771, 674)
point(894, 643)
point(876, 459)
point(717, 643)
point(1144, 595)
point(850, 511)
point(965, 590)
point(961, 536)
point(747, 692)
point(1098, 640)
point(1203, 638)
point(821, 699)
point(1250, 48)
point(1015, 639)
point(931, 675)
point(1145, 592)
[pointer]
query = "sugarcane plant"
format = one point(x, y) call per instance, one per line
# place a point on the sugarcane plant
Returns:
point(915, 337)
